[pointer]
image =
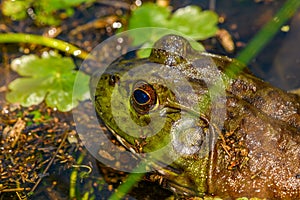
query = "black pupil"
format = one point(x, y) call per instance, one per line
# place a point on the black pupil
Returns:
point(141, 96)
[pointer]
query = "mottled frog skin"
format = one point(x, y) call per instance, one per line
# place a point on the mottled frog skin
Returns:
point(255, 153)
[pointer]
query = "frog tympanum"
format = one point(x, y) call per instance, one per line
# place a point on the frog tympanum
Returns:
point(243, 143)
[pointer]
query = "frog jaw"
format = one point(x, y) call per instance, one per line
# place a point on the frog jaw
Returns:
point(168, 174)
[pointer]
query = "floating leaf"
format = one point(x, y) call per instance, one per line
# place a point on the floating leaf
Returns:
point(16, 9)
point(195, 23)
point(45, 11)
point(50, 78)
point(189, 21)
point(148, 15)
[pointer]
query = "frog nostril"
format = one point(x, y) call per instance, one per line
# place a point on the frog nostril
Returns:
point(113, 80)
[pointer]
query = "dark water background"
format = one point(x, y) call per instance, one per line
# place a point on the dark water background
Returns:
point(279, 62)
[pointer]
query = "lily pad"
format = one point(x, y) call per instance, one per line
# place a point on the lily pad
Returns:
point(50, 78)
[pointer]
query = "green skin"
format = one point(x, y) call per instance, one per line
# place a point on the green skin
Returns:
point(256, 152)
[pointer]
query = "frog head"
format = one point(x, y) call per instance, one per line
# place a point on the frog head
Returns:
point(156, 108)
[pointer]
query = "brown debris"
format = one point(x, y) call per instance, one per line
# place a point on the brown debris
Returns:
point(237, 153)
point(226, 40)
point(29, 146)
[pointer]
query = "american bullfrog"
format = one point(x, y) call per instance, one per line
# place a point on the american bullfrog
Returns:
point(207, 128)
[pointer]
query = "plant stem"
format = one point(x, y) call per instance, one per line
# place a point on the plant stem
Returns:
point(45, 41)
point(134, 177)
point(73, 177)
point(264, 36)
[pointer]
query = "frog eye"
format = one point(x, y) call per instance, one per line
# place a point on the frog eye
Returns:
point(143, 97)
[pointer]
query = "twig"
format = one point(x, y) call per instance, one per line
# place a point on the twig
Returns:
point(295, 91)
point(3, 89)
point(99, 23)
point(16, 131)
point(50, 163)
point(6, 65)
point(15, 190)
point(212, 4)
point(117, 4)
point(84, 166)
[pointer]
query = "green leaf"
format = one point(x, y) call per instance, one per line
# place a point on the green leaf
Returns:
point(148, 15)
point(45, 10)
point(189, 21)
point(16, 9)
point(195, 23)
point(51, 78)
point(144, 53)
point(27, 91)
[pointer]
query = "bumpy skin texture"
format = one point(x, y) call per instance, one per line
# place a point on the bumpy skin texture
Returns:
point(266, 128)
point(255, 154)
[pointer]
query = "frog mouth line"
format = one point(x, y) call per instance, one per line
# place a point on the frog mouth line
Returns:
point(168, 170)
point(157, 165)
